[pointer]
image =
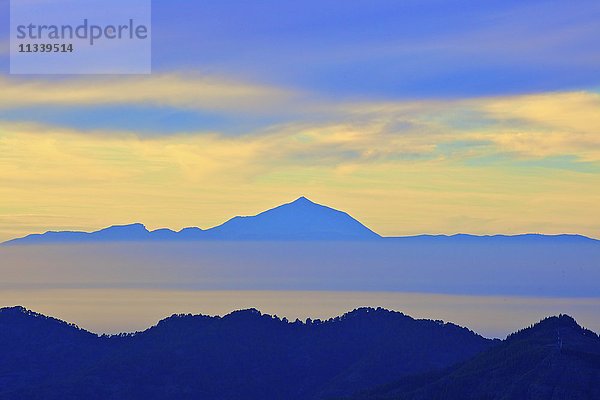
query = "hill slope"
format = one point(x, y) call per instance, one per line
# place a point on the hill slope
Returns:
point(242, 355)
point(555, 359)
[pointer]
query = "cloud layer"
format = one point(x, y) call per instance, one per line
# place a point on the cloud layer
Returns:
point(508, 164)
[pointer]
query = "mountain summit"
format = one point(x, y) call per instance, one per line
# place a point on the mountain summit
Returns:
point(301, 219)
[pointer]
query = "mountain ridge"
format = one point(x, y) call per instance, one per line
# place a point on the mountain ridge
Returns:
point(368, 353)
point(244, 354)
point(300, 219)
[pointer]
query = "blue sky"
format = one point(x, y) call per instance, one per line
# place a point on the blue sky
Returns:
point(391, 49)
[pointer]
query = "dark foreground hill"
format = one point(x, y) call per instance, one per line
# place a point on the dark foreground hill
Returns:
point(244, 355)
point(365, 354)
point(555, 359)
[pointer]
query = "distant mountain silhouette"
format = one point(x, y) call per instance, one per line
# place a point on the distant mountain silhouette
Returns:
point(244, 355)
point(116, 233)
point(554, 359)
point(522, 238)
point(299, 220)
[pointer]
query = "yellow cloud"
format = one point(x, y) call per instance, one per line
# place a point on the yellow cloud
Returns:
point(577, 112)
point(545, 125)
point(542, 125)
point(189, 92)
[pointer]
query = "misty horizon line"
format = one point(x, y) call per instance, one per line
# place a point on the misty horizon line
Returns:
point(140, 228)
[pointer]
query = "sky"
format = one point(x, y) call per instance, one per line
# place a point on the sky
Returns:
point(415, 117)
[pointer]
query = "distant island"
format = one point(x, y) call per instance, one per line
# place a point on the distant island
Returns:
point(365, 354)
point(300, 220)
